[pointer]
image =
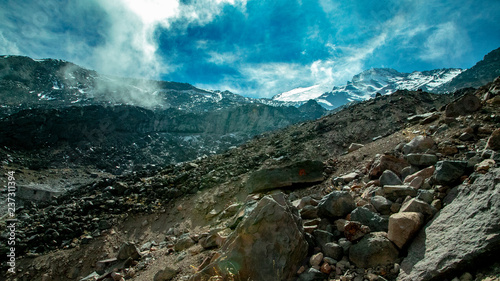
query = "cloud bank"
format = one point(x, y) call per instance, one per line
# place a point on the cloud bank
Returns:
point(254, 48)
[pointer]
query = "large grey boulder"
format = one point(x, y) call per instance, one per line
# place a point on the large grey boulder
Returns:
point(463, 106)
point(449, 171)
point(301, 172)
point(373, 250)
point(462, 234)
point(418, 144)
point(336, 204)
point(269, 244)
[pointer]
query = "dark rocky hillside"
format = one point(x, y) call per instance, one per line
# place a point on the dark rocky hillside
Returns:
point(483, 72)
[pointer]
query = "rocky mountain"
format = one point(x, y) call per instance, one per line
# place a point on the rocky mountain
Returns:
point(59, 110)
point(481, 73)
point(370, 82)
point(376, 191)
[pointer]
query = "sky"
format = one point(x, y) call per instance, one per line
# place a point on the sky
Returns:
point(256, 48)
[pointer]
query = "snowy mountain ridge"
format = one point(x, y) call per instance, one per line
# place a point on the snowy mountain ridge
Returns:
point(368, 83)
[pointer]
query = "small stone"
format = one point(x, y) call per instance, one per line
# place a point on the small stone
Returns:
point(417, 182)
point(345, 244)
point(316, 259)
point(395, 207)
point(301, 270)
point(371, 219)
point(332, 250)
point(326, 268)
point(466, 277)
point(354, 147)
point(354, 231)
point(437, 203)
point(425, 195)
point(485, 166)
point(393, 192)
point(183, 243)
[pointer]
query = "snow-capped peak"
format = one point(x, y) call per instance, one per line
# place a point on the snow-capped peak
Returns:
point(302, 93)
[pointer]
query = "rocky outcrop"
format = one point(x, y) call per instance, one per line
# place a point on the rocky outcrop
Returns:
point(267, 245)
point(464, 232)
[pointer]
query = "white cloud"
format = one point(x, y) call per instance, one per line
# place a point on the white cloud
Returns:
point(7, 47)
point(446, 43)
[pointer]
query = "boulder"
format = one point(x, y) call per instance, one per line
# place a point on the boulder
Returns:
point(333, 250)
point(128, 250)
point(301, 172)
point(183, 243)
point(418, 144)
point(387, 162)
point(448, 171)
point(381, 204)
point(166, 274)
point(373, 250)
point(336, 204)
point(419, 206)
point(464, 105)
point(269, 244)
point(370, 219)
point(420, 160)
point(403, 227)
point(388, 177)
point(461, 236)
point(494, 140)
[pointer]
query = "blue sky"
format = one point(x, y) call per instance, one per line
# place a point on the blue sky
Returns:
point(256, 48)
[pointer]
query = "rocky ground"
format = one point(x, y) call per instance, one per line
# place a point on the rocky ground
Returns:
point(364, 194)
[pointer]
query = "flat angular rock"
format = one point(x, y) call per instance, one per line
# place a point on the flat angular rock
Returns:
point(393, 192)
point(424, 173)
point(463, 233)
point(354, 147)
point(403, 227)
point(373, 250)
point(336, 204)
point(128, 250)
point(301, 172)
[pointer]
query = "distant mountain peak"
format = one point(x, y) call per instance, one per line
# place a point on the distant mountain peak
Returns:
point(368, 83)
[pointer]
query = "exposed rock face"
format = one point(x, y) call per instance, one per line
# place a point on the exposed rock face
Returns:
point(301, 172)
point(463, 232)
point(267, 245)
point(373, 250)
point(337, 204)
